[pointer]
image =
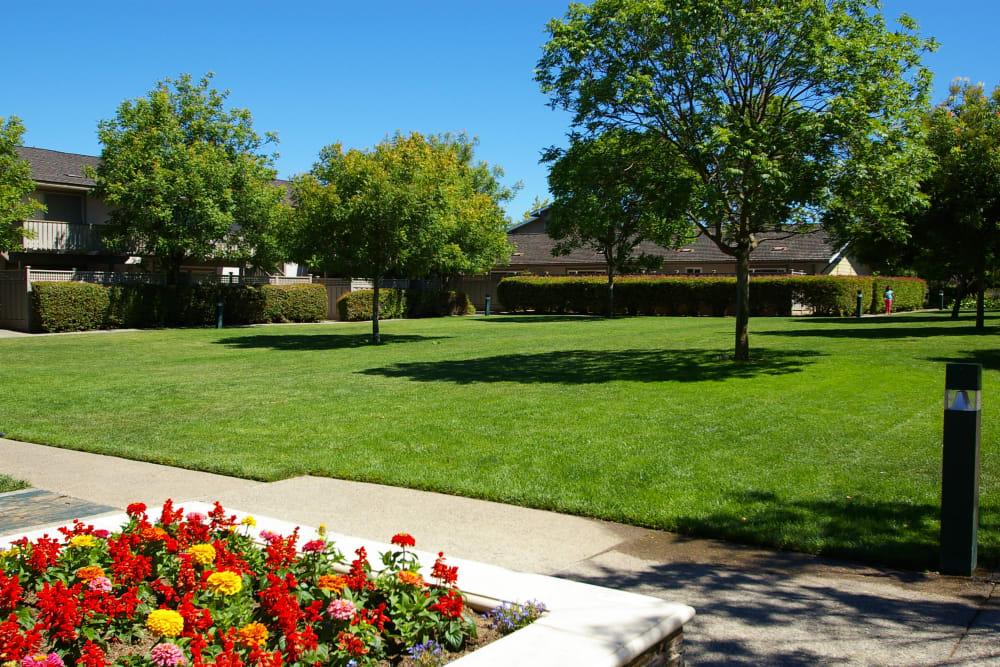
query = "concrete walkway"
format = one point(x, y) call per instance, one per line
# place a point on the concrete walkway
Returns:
point(755, 607)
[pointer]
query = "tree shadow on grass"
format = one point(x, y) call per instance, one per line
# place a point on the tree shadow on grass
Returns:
point(887, 330)
point(990, 359)
point(312, 342)
point(596, 366)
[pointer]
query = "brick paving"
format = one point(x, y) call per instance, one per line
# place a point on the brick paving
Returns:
point(28, 508)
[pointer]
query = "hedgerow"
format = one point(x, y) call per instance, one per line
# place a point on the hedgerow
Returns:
point(395, 304)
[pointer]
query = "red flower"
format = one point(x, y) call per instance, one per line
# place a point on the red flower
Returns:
point(375, 617)
point(351, 644)
point(44, 554)
point(403, 540)
point(10, 592)
point(92, 656)
point(13, 644)
point(447, 575)
point(449, 605)
point(136, 510)
point(59, 610)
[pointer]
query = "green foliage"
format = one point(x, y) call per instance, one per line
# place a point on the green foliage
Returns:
point(294, 303)
point(68, 306)
point(411, 206)
point(536, 205)
point(396, 304)
point(186, 179)
point(15, 186)
point(780, 111)
point(612, 192)
point(75, 306)
point(702, 295)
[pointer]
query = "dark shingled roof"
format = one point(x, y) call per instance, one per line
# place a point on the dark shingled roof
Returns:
point(534, 249)
point(67, 168)
point(57, 167)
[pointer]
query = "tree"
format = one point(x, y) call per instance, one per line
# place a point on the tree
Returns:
point(15, 186)
point(779, 109)
point(612, 192)
point(186, 179)
point(410, 207)
point(537, 205)
point(958, 235)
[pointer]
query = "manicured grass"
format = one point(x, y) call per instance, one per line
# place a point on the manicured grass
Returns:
point(828, 442)
point(11, 484)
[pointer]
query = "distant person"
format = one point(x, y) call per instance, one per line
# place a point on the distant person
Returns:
point(887, 295)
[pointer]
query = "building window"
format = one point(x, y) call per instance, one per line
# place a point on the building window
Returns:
point(63, 208)
point(693, 270)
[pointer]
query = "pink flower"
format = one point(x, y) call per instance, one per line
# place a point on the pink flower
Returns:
point(268, 536)
point(99, 585)
point(342, 610)
point(196, 517)
point(314, 546)
point(167, 655)
point(42, 660)
point(101, 533)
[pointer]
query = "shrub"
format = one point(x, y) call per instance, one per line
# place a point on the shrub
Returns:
point(294, 303)
point(68, 306)
point(393, 304)
point(150, 306)
point(705, 295)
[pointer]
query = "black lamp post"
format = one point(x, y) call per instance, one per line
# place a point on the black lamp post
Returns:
point(960, 468)
point(860, 300)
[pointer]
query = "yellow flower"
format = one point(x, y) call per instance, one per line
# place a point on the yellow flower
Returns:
point(9, 663)
point(202, 554)
point(14, 551)
point(322, 530)
point(82, 541)
point(249, 521)
point(227, 583)
point(253, 635)
point(165, 622)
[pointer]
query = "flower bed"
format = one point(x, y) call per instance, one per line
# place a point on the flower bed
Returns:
point(199, 589)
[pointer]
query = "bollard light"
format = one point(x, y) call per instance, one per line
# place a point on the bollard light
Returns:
point(860, 300)
point(941, 298)
point(960, 468)
point(487, 305)
point(218, 313)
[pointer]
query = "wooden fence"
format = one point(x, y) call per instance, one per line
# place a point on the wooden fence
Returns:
point(14, 300)
point(335, 288)
point(477, 287)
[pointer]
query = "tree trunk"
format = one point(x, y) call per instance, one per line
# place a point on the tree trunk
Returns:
point(611, 292)
point(959, 295)
point(376, 340)
point(742, 352)
point(980, 291)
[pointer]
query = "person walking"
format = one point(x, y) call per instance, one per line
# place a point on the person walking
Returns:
point(887, 296)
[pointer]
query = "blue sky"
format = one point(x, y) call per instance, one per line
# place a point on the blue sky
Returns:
point(322, 72)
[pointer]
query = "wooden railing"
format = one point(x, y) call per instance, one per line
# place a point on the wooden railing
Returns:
point(51, 235)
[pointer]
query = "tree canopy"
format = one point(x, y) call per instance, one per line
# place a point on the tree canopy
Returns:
point(612, 192)
point(187, 180)
point(15, 186)
point(412, 206)
point(782, 111)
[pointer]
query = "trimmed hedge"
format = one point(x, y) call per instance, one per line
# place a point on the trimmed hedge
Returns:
point(698, 295)
point(67, 306)
point(395, 304)
point(78, 306)
point(294, 303)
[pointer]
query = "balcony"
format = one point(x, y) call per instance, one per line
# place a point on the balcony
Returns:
point(64, 237)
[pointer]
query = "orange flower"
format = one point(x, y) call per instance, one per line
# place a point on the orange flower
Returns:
point(85, 574)
point(152, 533)
point(331, 582)
point(410, 578)
point(253, 635)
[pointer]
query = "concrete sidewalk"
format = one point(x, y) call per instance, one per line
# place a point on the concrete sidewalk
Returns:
point(755, 607)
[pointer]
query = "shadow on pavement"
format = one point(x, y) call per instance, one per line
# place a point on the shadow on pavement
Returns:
point(595, 366)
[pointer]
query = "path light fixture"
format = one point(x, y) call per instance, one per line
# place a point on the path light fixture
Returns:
point(218, 314)
point(861, 297)
point(487, 305)
point(963, 394)
point(941, 299)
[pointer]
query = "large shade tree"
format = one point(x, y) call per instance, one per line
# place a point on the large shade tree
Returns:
point(613, 191)
point(413, 206)
point(187, 179)
point(778, 108)
point(15, 186)
point(959, 233)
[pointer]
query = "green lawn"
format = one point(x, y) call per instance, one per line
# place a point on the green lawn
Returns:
point(11, 484)
point(828, 442)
